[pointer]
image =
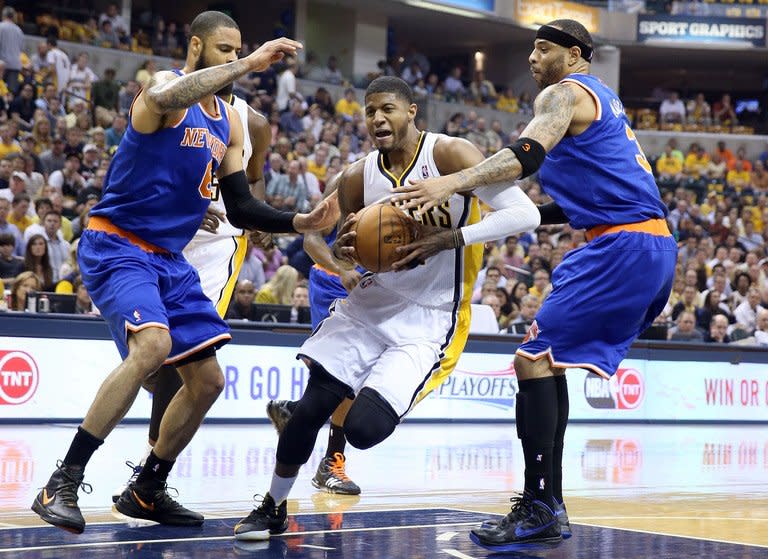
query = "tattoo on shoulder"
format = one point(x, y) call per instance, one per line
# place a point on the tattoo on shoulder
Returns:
point(553, 111)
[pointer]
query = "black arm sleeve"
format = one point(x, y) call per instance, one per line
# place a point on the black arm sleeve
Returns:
point(551, 214)
point(245, 211)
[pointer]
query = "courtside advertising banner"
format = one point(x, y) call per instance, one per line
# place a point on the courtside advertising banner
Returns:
point(38, 383)
point(735, 30)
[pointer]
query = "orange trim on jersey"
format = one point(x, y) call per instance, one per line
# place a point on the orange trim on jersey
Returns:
point(198, 347)
point(100, 223)
point(595, 98)
point(216, 116)
point(326, 270)
point(560, 365)
point(653, 226)
point(181, 119)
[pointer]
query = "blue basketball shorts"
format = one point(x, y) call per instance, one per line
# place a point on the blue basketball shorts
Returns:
point(324, 289)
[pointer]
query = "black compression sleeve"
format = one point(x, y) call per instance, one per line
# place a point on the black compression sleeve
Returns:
point(552, 214)
point(245, 211)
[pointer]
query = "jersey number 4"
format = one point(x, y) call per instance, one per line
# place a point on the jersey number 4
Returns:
point(209, 186)
point(639, 156)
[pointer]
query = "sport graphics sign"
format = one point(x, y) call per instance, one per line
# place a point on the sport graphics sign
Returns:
point(745, 31)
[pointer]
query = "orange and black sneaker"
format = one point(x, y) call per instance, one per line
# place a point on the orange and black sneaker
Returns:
point(57, 501)
point(151, 502)
point(331, 477)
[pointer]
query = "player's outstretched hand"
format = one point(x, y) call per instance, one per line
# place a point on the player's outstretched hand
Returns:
point(271, 52)
point(325, 215)
point(212, 219)
point(343, 248)
point(429, 241)
point(423, 195)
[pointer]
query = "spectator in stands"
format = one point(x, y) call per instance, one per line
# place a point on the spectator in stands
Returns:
point(83, 303)
point(58, 62)
point(482, 90)
point(347, 106)
point(113, 16)
point(240, 307)
point(685, 329)
point(292, 121)
point(16, 185)
point(286, 84)
point(699, 111)
point(751, 239)
point(8, 143)
point(529, 306)
point(22, 285)
point(81, 79)
point(58, 248)
point(68, 180)
point(36, 260)
point(746, 313)
point(493, 301)
point(323, 99)
point(723, 112)
point(507, 101)
point(318, 165)
point(126, 96)
point(312, 69)
point(669, 168)
point(7, 228)
point(696, 161)
point(738, 178)
point(289, 191)
point(11, 45)
point(6, 169)
point(716, 169)
point(22, 108)
point(299, 300)
point(20, 208)
point(106, 95)
point(454, 87)
point(687, 302)
point(145, 72)
point(718, 330)
point(672, 109)
point(279, 289)
point(54, 158)
point(412, 73)
point(116, 132)
point(11, 265)
point(712, 306)
point(331, 73)
point(759, 177)
point(761, 334)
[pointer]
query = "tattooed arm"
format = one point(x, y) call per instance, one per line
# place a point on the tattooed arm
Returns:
point(553, 112)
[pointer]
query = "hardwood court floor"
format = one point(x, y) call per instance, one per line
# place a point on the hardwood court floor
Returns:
point(704, 482)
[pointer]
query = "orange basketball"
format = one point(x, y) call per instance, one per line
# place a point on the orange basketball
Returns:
point(381, 228)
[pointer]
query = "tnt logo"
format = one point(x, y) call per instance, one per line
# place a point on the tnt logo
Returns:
point(625, 390)
point(18, 377)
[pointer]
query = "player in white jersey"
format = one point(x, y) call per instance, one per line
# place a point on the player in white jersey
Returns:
point(217, 253)
point(398, 334)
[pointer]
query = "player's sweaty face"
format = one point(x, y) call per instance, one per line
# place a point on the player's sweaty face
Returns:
point(387, 117)
point(220, 47)
point(547, 62)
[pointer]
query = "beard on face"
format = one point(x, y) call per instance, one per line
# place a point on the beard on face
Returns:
point(203, 63)
point(551, 74)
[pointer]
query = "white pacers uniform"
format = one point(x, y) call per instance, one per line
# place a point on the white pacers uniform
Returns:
point(401, 333)
point(218, 257)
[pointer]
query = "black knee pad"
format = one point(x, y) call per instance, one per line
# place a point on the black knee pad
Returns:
point(323, 395)
point(520, 415)
point(370, 420)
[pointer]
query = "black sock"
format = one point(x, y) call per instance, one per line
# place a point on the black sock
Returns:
point(166, 387)
point(536, 416)
point(336, 440)
point(291, 405)
point(82, 448)
point(155, 471)
point(562, 422)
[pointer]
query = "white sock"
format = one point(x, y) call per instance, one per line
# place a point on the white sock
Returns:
point(281, 487)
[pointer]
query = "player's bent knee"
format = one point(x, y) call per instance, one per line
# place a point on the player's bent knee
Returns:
point(149, 348)
point(370, 420)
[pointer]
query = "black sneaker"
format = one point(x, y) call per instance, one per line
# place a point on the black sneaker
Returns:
point(279, 413)
point(268, 519)
point(152, 502)
point(136, 470)
point(57, 502)
point(331, 477)
point(529, 524)
point(560, 513)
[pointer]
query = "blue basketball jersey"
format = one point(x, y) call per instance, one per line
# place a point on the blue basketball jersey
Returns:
point(601, 176)
point(159, 185)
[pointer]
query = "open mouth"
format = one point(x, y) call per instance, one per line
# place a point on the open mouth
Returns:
point(381, 134)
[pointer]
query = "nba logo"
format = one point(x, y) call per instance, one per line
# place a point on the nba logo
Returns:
point(424, 171)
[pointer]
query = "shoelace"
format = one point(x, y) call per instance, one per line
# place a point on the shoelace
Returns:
point(337, 466)
point(521, 506)
point(70, 497)
point(263, 509)
point(136, 469)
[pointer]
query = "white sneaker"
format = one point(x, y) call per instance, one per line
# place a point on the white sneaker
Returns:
point(136, 471)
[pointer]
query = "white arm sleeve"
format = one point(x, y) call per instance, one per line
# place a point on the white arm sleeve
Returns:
point(515, 213)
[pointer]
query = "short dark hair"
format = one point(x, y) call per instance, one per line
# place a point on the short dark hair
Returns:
point(207, 22)
point(390, 84)
point(7, 239)
point(574, 29)
point(41, 201)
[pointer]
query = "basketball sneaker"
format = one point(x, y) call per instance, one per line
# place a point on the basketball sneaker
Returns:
point(135, 471)
point(57, 501)
point(266, 520)
point(331, 477)
point(529, 524)
point(560, 512)
point(151, 501)
point(279, 412)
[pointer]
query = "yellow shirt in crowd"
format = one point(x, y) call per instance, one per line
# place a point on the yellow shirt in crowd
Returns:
point(508, 104)
point(318, 171)
point(669, 165)
point(348, 108)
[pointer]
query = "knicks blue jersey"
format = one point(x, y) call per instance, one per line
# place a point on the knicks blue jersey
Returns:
point(601, 176)
point(158, 186)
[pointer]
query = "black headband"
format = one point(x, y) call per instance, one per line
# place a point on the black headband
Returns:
point(554, 35)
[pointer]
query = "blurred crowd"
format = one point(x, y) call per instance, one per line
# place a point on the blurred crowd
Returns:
point(60, 124)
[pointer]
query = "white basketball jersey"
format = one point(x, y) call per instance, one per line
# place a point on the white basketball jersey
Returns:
point(446, 278)
point(225, 228)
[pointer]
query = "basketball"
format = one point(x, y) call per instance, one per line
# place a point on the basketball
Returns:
point(381, 228)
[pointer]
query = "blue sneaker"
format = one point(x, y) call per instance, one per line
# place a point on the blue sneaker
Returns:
point(560, 512)
point(530, 524)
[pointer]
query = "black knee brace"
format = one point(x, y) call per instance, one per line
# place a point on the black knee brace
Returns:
point(370, 420)
point(324, 393)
